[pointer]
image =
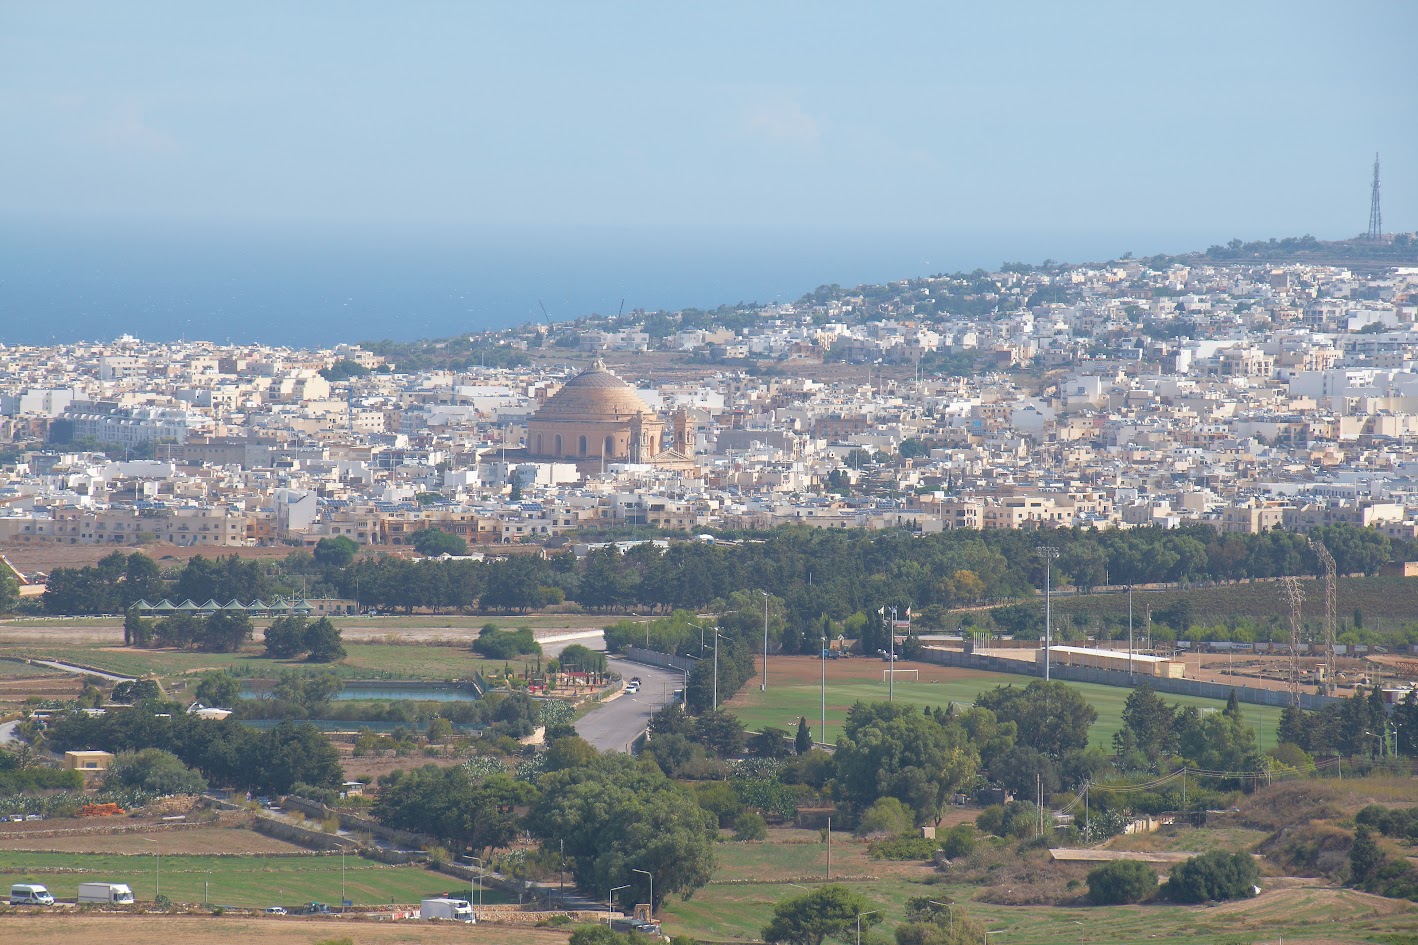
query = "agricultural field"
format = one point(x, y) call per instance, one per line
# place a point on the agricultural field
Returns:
point(1384, 602)
point(202, 840)
point(87, 928)
point(365, 660)
point(732, 909)
point(250, 881)
point(794, 689)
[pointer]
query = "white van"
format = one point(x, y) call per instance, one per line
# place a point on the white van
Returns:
point(30, 894)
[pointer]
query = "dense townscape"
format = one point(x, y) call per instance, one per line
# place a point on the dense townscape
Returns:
point(1247, 397)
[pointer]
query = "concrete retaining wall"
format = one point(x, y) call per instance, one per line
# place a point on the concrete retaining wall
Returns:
point(680, 664)
point(302, 836)
point(1108, 677)
point(357, 824)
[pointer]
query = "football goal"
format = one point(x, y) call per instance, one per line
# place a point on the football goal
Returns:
point(914, 673)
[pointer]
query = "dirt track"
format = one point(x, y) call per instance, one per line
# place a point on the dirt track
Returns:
point(74, 929)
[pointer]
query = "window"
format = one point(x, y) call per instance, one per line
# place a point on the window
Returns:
point(558, 445)
point(609, 449)
point(583, 446)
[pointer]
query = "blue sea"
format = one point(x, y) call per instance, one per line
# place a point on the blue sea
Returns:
point(306, 286)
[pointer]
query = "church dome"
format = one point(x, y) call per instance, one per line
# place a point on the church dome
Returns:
point(595, 394)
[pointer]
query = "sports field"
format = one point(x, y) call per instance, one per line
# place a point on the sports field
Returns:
point(794, 689)
point(242, 881)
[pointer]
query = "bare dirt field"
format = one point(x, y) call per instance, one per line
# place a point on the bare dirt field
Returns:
point(74, 929)
point(205, 840)
point(807, 670)
point(46, 557)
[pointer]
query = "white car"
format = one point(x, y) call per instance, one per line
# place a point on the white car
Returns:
point(633, 688)
point(276, 910)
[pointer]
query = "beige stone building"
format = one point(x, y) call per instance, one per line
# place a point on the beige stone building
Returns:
point(597, 419)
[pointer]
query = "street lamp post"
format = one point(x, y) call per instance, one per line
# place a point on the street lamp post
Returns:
point(1048, 553)
point(1130, 648)
point(859, 923)
point(478, 879)
point(157, 873)
point(891, 678)
point(823, 654)
point(717, 637)
point(609, 896)
point(950, 911)
point(716, 670)
point(651, 877)
point(765, 640)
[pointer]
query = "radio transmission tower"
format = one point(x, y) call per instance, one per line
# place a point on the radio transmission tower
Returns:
point(1331, 612)
point(1376, 217)
point(1294, 596)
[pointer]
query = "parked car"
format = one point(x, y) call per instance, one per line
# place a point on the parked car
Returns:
point(276, 910)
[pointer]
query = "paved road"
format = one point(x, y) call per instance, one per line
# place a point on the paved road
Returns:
point(71, 668)
point(7, 733)
point(615, 724)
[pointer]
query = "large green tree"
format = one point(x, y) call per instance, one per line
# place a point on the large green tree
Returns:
point(895, 750)
point(155, 771)
point(1051, 717)
point(464, 811)
point(1149, 725)
point(827, 912)
point(616, 815)
point(432, 542)
point(336, 552)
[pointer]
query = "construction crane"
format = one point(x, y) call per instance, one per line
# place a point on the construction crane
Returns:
point(550, 327)
point(1294, 596)
point(19, 575)
point(1331, 613)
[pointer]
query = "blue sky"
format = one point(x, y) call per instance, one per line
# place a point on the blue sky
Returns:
point(1223, 119)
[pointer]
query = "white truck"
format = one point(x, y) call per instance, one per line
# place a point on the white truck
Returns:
point(457, 910)
point(30, 894)
point(114, 894)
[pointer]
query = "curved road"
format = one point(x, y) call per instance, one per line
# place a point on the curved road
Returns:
point(613, 726)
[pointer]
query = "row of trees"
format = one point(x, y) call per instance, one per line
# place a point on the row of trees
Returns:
point(1361, 724)
point(224, 752)
point(812, 571)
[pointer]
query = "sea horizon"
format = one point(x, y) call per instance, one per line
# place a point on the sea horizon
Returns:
point(63, 283)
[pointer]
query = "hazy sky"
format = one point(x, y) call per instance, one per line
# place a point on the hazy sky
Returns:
point(1246, 119)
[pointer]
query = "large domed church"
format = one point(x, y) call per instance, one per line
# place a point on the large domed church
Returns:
point(597, 419)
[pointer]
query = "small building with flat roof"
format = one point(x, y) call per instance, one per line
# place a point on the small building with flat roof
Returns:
point(89, 762)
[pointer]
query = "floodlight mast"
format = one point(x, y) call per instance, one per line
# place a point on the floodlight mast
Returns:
point(1049, 553)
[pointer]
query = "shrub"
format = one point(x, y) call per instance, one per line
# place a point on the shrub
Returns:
point(886, 816)
point(1121, 882)
point(903, 848)
point(1213, 877)
point(154, 771)
point(959, 841)
point(750, 825)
